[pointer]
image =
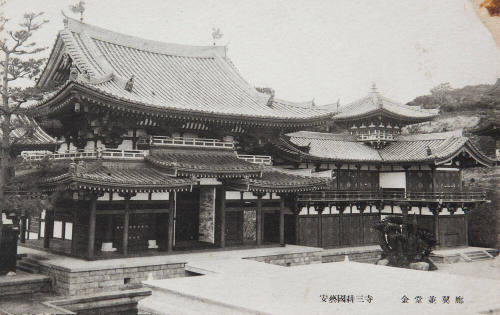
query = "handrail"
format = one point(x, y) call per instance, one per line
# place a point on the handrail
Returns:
point(357, 195)
point(105, 154)
point(383, 137)
point(257, 159)
point(190, 142)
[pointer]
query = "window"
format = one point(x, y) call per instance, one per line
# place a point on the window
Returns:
point(58, 229)
point(42, 224)
point(68, 230)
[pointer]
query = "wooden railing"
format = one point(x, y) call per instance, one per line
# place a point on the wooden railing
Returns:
point(257, 159)
point(376, 137)
point(188, 142)
point(105, 154)
point(355, 195)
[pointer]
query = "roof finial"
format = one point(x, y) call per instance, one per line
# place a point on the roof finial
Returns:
point(374, 87)
point(78, 8)
point(216, 34)
point(130, 84)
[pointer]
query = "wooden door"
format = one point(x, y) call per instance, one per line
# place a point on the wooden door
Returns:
point(187, 217)
point(271, 227)
point(330, 230)
point(234, 227)
point(308, 230)
point(451, 230)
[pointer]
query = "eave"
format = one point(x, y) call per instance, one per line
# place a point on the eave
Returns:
point(78, 91)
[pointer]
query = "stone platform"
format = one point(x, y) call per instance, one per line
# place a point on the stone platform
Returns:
point(308, 289)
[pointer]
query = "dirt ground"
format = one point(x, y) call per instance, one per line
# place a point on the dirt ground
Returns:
point(489, 269)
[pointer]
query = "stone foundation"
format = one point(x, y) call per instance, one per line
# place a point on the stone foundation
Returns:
point(293, 259)
point(67, 282)
point(363, 256)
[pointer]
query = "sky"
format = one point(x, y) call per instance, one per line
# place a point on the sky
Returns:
point(309, 49)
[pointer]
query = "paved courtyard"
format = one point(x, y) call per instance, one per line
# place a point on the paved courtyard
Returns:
point(314, 289)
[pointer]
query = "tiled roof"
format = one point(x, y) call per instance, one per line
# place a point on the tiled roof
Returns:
point(221, 163)
point(279, 181)
point(168, 76)
point(28, 134)
point(375, 103)
point(406, 148)
point(121, 178)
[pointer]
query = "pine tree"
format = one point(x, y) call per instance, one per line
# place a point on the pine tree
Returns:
point(19, 61)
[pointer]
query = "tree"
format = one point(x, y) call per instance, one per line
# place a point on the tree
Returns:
point(403, 242)
point(441, 91)
point(19, 61)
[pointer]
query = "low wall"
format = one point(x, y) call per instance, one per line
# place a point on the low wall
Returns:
point(109, 303)
point(290, 259)
point(367, 255)
point(68, 282)
point(27, 285)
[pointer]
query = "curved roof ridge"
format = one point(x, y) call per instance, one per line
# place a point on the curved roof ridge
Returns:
point(414, 108)
point(322, 135)
point(431, 136)
point(143, 44)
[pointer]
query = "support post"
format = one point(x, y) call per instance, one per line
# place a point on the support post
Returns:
point(282, 220)
point(259, 219)
point(222, 211)
point(466, 223)
point(126, 220)
point(49, 228)
point(91, 236)
point(435, 212)
point(171, 220)
point(24, 221)
point(320, 227)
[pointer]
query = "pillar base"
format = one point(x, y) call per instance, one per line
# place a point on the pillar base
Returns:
point(108, 247)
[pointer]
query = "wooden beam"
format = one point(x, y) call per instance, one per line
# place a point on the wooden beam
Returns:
point(222, 213)
point(91, 236)
point(131, 211)
point(259, 218)
point(171, 219)
point(282, 220)
point(126, 220)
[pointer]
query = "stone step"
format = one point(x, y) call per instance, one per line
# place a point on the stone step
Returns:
point(23, 284)
point(28, 266)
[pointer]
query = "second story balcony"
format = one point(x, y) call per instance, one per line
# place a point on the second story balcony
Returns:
point(332, 196)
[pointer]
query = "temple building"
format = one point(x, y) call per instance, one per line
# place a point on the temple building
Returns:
point(168, 148)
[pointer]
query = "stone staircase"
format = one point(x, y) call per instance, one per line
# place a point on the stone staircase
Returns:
point(28, 264)
point(476, 255)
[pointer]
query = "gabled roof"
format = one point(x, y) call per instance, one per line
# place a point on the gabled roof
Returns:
point(407, 148)
point(279, 181)
point(28, 135)
point(167, 76)
point(375, 104)
point(120, 177)
point(206, 162)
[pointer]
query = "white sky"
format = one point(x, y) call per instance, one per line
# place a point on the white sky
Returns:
point(306, 49)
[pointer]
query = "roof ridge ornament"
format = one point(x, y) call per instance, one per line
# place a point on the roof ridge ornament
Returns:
point(130, 84)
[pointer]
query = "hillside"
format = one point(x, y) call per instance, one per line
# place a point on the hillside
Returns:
point(461, 108)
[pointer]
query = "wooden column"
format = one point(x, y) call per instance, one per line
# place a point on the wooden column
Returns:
point(222, 213)
point(126, 220)
point(466, 223)
point(171, 220)
point(282, 220)
point(49, 228)
point(91, 236)
point(259, 223)
point(435, 212)
point(296, 211)
point(24, 220)
point(320, 226)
